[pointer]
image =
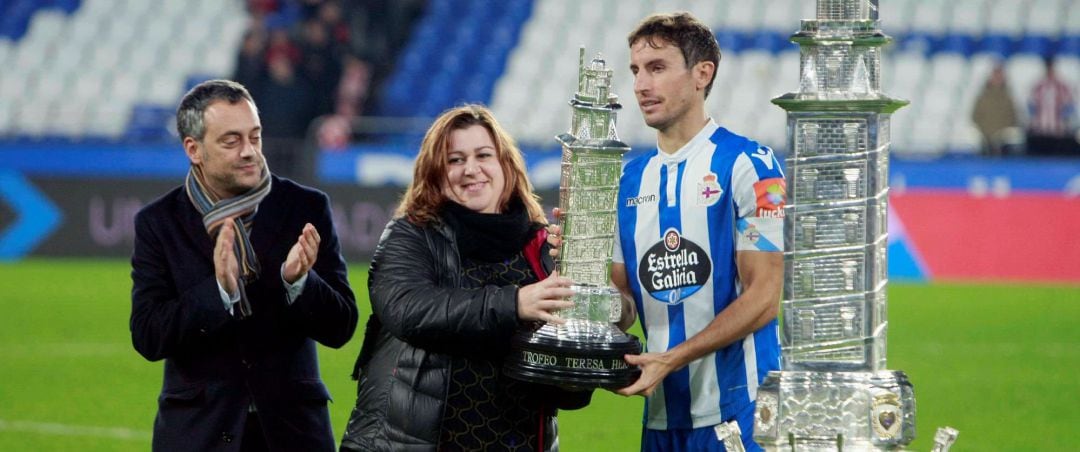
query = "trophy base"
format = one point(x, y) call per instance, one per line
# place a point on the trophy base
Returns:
point(832, 411)
point(540, 356)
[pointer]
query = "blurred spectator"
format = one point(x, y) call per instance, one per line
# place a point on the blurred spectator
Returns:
point(259, 9)
point(335, 132)
point(995, 113)
point(281, 45)
point(336, 51)
point(330, 15)
point(288, 101)
point(1051, 130)
point(380, 31)
point(287, 105)
point(251, 61)
point(321, 63)
point(353, 89)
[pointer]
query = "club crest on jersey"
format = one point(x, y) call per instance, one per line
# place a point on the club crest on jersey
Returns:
point(770, 197)
point(674, 268)
point(708, 190)
point(751, 233)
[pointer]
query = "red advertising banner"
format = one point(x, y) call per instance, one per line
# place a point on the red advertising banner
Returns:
point(1024, 236)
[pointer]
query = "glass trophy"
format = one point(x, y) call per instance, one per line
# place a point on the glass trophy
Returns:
point(587, 351)
point(833, 391)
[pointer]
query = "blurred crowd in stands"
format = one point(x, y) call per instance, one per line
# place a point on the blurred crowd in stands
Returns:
point(1053, 126)
point(305, 59)
point(328, 59)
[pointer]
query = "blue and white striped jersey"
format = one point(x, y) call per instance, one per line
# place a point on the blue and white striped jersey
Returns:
point(681, 219)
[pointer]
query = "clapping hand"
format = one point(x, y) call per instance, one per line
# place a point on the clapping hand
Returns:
point(302, 255)
point(226, 267)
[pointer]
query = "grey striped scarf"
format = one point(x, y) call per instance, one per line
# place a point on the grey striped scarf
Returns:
point(242, 208)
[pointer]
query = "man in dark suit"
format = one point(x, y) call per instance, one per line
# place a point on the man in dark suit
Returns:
point(235, 275)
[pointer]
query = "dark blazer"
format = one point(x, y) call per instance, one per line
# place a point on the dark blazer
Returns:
point(217, 367)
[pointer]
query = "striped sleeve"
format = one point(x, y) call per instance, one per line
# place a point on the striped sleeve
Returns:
point(759, 192)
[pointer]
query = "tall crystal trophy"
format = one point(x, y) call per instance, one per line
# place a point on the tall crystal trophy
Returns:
point(586, 351)
point(833, 391)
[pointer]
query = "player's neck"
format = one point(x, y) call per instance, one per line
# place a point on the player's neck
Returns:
point(675, 136)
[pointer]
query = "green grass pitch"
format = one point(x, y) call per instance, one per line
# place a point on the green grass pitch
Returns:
point(999, 362)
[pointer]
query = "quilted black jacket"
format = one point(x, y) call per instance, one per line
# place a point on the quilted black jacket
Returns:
point(420, 316)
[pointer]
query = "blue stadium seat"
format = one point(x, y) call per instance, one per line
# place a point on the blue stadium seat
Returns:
point(729, 40)
point(1001, 45)
point(443, 65)
point(195, 79)
point(16, 18)
point(919, 42)
point(67, 6)
point(1034, 44)
point(518, 10)
point(770, 41)
point(150, 123)
point(1069, 45)
point(440, 96)
point(963, 44)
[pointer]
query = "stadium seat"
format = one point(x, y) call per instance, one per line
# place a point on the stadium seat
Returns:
point(87, 87)
point(1023, 72)
point(33, 118)
point(150, 123)
point(965, 26)
point(67, 6)
point(1068, 68)
point(123, 88)
point(895, 16)
point(928, 25)
point(162, 88)
point(520, 57)
point(5, 49)
point(107, 121)
point(948, 70)
point(67, 119)
point(964, 137)
point(16, 18)
point(7, 118)
point(741, 16)
point(1044, 18)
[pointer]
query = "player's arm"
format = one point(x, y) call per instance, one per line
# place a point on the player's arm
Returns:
point(762, 275)
point(629, 311)
point(758, 191)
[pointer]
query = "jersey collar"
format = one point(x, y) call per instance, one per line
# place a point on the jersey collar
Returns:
point(691, 147)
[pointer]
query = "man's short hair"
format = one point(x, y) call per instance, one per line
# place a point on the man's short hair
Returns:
point(190, 114)
point(682, 30)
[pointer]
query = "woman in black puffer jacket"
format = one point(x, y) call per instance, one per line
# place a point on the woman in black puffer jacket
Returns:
point(464, 264)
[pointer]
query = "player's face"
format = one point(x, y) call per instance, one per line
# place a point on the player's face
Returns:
point(474, 176)
point(231, 151)
point(665, 88)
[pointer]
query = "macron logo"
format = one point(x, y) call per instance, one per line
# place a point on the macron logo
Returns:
point(765, 155)
point(639, 200)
